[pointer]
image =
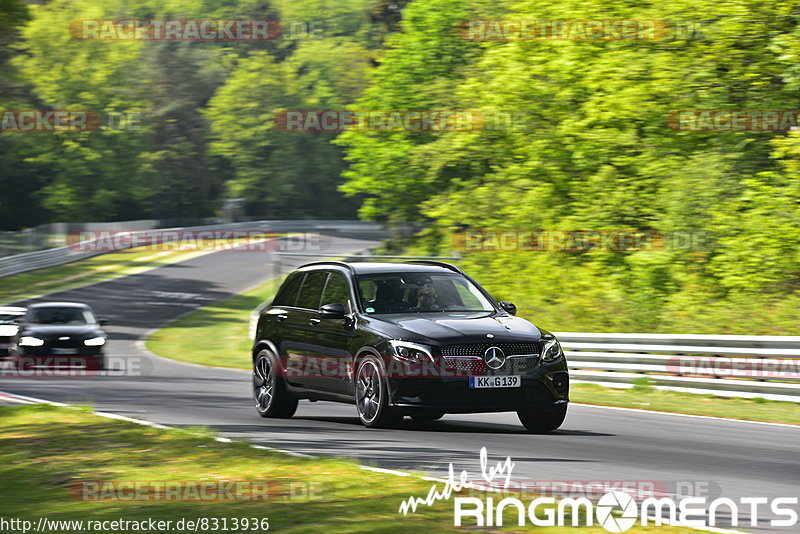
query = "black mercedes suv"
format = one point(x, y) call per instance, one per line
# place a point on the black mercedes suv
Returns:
point(419, 338)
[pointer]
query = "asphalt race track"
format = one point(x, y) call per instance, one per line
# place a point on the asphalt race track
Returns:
point(682, 454)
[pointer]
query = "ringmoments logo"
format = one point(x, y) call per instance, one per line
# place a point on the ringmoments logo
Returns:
point(616, 511)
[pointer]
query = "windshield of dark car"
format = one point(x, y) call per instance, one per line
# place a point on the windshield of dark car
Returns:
point(9, 318)
point(65, 316)
point(420, 293)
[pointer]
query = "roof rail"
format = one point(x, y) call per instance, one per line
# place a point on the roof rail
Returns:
point(330, 262)
point(438, 264)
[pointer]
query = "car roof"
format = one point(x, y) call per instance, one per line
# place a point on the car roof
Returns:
point(365, 267)
point(12, 309)
point(59, 305)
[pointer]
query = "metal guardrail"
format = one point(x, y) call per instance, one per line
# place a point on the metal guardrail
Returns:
point(52, 257)
point(725, 365)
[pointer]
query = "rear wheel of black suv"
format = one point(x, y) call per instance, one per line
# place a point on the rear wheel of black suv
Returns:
point(372, 396)
point(269, 390)
point(543, 420)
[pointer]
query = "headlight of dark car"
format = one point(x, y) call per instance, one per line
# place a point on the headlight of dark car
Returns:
point(552, 350)
point(30, 341)
point(408, 352)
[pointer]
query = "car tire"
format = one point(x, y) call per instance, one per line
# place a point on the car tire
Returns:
point(427, 417)
point(270, 396)
point(372, 395)
point(542, 420)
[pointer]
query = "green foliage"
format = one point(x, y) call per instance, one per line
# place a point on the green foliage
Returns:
point(286, 174)
point(207, 106)
point(595, 153)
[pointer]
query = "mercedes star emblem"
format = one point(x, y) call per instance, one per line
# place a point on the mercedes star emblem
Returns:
point(494, 357)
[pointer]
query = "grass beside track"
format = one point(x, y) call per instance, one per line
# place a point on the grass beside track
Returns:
point(216, 335)
point(648, 398)
point(47, 453)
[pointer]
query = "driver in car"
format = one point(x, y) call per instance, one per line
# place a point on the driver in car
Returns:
point(426, 300)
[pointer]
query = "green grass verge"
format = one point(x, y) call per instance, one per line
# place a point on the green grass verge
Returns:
point(648, 398)
point(44, 451)
point(96, 269)
point(215, 335)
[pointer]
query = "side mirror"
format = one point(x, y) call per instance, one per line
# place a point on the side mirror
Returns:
point(508, 306)
point(102, 322)
point(332, 311)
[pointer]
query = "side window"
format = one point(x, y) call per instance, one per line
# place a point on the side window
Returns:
point(336, 291)
point(287, 295)
point(368, 290)
point(311, 291)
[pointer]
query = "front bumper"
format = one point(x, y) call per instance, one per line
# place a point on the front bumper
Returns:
point(548, 385)
point(86, 358)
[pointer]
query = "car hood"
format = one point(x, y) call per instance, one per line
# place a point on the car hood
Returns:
point(458, 327)
point(53, 331)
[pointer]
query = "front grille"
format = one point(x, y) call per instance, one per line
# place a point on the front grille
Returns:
point(475, 367)
point(467, 366)
point(477, 349)
point(467, 358)
point(71, 343)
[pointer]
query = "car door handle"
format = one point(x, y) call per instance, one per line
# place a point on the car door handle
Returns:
point(313, 321)
point(281, 317)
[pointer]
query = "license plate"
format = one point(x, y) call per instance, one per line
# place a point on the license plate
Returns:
point(65, 351)
point(508, 381)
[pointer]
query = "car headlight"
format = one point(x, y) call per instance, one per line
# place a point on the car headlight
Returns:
point(411, 352)
point(30, 341)
point(552, 350)
point(94, 342)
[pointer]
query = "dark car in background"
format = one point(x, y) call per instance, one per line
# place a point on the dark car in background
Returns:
point(59, 334)
point(418, 339)
point(9, 317)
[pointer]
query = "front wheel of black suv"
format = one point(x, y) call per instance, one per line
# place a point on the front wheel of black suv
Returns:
point(269, 390)
point(543, 420)
point(372, 396)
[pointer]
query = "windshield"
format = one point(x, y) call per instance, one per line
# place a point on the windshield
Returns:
point(9, 318)
point(66, 316)
point(420, 293)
